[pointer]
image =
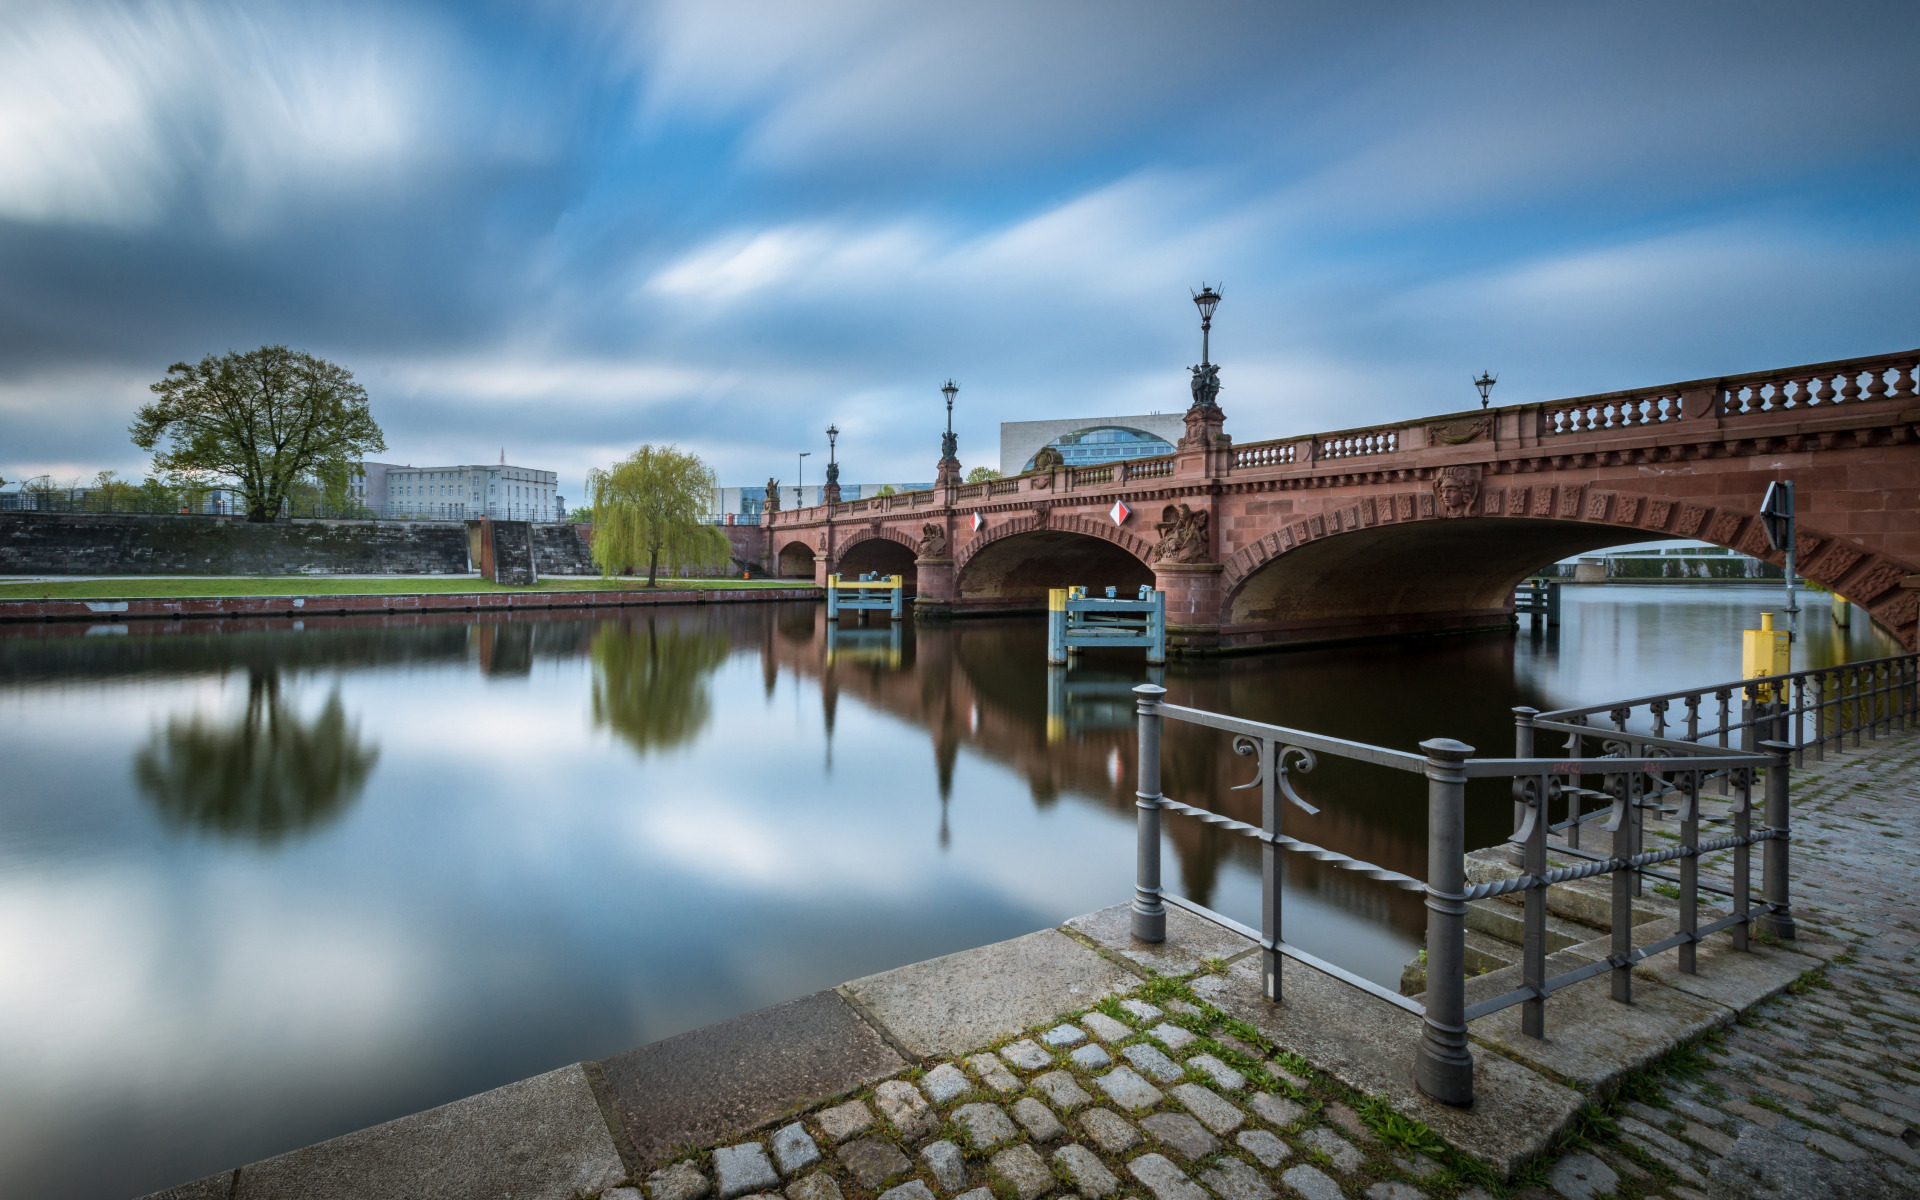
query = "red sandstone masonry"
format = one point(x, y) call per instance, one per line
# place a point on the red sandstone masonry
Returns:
point(1541, 481)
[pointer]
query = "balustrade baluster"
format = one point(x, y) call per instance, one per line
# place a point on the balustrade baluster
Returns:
point(1851, 392)
point(1903, 380)
point(1689, 868)
point(1878, 387)
point(1826, 392)
point(1799, 720)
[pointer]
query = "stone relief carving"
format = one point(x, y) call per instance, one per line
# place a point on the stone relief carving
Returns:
point(1456, 488)
point(1049, 459)
point(1459, 433)
point(933, 541)
point(823, 541)
point(1183, 535)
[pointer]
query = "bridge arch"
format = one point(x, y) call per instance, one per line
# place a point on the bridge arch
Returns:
point(1014, 563)
point(1409, 567)
point(887, 550)
point(795, 560)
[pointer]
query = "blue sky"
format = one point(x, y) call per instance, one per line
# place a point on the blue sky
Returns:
point(568, 228)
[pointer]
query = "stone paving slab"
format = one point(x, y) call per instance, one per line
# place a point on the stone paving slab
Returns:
point(945, 1006)
point(538, 1138)
point(1592, 1041)
point(741, 1073)
point(1191, 939)
point(1368, 1044)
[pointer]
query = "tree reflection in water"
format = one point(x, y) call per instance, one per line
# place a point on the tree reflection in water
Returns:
point(650, 684)
point(262, 777)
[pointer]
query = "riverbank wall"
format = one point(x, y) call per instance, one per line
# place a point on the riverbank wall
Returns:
point(45, 543)
point(300, 607)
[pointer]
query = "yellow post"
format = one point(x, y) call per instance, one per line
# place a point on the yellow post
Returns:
point(1764, 652)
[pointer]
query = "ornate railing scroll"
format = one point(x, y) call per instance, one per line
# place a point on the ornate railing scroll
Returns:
point(1634, 771)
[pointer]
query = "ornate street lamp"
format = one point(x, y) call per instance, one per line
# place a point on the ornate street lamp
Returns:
point(1206, 300)
point(1206, 376)
point(1485, 384)
point(800, 487)
point(949, 445)
point(832, 493)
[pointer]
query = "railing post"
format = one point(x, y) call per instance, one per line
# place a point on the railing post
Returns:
point(1742, 853)
point(1533, 1012)
point(1272, 873)
point(1523, 748)
point(1625, 881)
point(1157, 627)
point(1149, 913)
point(833, 596)
point(899, 598)
point(1443, 1068)
point(1777, 921)
point(1689, 868)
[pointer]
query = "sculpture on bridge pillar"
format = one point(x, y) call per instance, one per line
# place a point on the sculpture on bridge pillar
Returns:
point(1183, 536)
point(1456, 489)
point(772, 502)
point(933, 541)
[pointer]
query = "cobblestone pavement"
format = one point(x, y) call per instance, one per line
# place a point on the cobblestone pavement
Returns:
point(1815, 1093)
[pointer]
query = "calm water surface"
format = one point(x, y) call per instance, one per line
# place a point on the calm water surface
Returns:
point(263, 886)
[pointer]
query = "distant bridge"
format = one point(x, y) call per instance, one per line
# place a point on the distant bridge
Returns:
point(1419, 526)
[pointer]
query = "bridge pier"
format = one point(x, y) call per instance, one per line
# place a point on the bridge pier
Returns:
point(934, 600)
point(1193, 605)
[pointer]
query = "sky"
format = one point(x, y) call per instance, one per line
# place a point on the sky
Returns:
point(559, 230)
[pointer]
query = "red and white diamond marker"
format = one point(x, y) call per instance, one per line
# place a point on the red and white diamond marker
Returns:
point(1120, 512)
point(978, 521)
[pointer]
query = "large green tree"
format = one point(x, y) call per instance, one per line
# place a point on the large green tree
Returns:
point(651, 509)
point(265, 420)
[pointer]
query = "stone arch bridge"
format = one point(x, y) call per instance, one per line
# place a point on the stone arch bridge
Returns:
point(1416, 527)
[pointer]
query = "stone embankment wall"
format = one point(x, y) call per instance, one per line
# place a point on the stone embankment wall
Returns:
point(561, 550)
point(35, 543)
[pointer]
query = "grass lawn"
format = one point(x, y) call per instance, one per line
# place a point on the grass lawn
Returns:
point(161, 587)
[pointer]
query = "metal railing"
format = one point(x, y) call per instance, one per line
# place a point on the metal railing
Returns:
point(1632, 769)
point(1806, 710)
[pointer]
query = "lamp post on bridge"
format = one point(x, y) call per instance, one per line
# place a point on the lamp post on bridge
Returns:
point(831, 493)
point(949, 445)
point(1485, 384)
point(1206, 376)
point(800, 487)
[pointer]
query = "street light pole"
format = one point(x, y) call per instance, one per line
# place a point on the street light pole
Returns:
point(832, 493)
point(799, 489)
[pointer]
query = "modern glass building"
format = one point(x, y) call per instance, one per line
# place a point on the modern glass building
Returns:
point(1089, 441)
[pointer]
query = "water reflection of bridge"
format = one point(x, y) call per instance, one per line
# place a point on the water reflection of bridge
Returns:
point(983, 686)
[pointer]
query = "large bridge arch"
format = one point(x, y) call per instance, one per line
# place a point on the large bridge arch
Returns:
point(1409, 567)
point(886, 550)
point(1013, 564)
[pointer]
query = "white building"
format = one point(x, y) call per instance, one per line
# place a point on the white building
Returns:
point(503, 492)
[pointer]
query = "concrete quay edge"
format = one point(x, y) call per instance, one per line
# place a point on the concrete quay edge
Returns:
point(589, 1126)
point(212, 607)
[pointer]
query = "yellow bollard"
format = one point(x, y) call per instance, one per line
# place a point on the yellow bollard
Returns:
point(1764, 652)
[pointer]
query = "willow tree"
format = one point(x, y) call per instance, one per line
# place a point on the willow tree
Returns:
point(266, 420)
point(651, 509)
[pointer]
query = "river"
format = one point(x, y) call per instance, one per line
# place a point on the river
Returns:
point(260, 886)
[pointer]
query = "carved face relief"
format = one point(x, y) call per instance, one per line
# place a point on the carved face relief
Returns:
point(1456, 489)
